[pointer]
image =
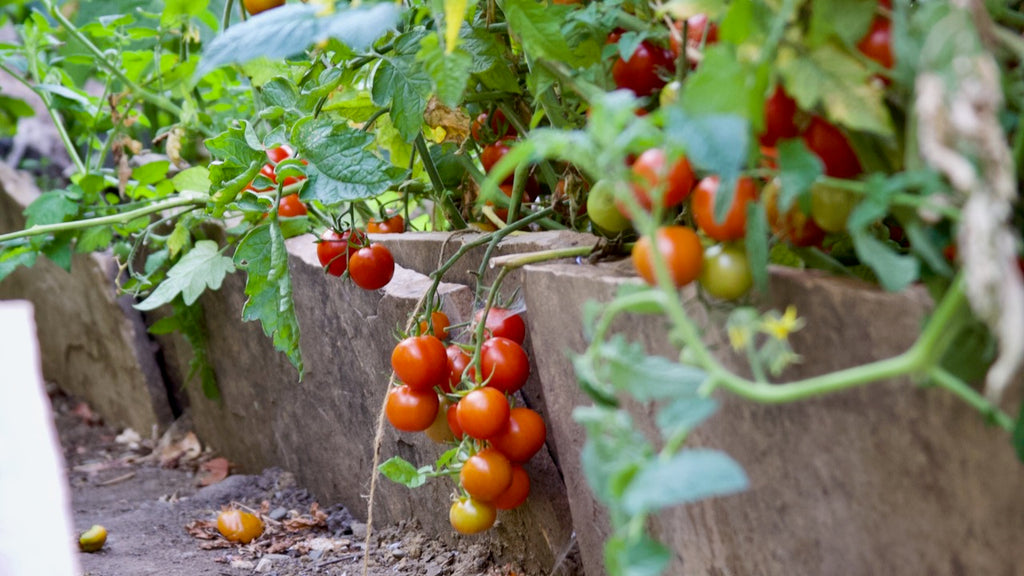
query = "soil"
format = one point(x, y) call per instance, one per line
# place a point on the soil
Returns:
point(146, 493)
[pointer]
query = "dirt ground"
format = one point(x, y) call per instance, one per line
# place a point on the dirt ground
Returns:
point(146, 493)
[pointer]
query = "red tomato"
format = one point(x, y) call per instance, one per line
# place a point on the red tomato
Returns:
point(523, 436)
point(291, 206)
point(502, 323)
point(646, 70)
point(486, 474)
point(681, 249)
point(735, 225)
point(393, 225)
point(471, 516)
point(829, 144)
point(453, 421)
point(779, 114)
point(421, 362)
point(483, 413)
point(457, 362)
point(333, 249)
point(497, 129)
point(411, 410)
point(372, 267)
point(440, 322)
point(649, 172)
point(491, 154)
point(502, 213)
point(517, 491)
point(877, 44)
point(696, 25)
point(504, 364)
point(280, 153)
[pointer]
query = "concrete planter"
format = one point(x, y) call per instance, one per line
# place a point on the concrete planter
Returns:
point(887, 479)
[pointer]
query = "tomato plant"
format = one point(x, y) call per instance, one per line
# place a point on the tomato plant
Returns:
point(458, 360)
point(438, 326)
point(673, 183)
point(602, 210)
point(471, 516)
point(394, 224)
point(503, 323)
point(735, 224)
point(779, 118)
point(681, 249)
point(421, 362)
point(409, 409)
point(291, 206)
point(371, 267)
point(831, 145)
point(483, 413)
point(523, 436)
point(334, 249)
point(645, 71)
point(491, 127)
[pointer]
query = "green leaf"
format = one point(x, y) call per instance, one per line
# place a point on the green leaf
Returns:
point(403, 84)
point(261, 253)
point(894, 271)
point(639, 556)
point(721, 85)
point(95, 238)
point(798, 170)
point(401, 472)
point(50, 208)
point(449, 71)
point(15, 256)
point(757, 244)
point(689, 476)
point(627, 367)
point(178, 239)
point(201, 268)
point(489, 61)
point(684, 414)
point(152, 172)
point(195, 179)
point(290, 29)
point(836, 79)
point(846, 19)
point(175, 10)
point(714, 143)
point(539, 28)
point(341, 168)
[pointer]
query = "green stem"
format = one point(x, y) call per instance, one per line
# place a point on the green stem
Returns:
point(107, 220)
point(958, 387)
point(908, 200)
point(520, 260)
point(451, 212)
point(226, 18)
point(934, 339)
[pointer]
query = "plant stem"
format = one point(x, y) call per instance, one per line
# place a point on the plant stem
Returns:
point(451, 212)
point(106, 220)
point(908, 200)
point(944, 379)
point(520, 260)
point(226, 19)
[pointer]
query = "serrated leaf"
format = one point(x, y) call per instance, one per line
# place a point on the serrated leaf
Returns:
point(836, 79)
point(689, 476)
point(262, 254)
point(798, 170)
point(201, 268)
point(403, 84)
point(290, 29)
point(341, 168)
point(401, 472)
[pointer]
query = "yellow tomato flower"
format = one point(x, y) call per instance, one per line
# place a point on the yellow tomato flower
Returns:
point(780, 327)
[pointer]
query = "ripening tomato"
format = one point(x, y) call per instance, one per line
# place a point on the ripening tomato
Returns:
point(439, 321)
point(498, 128)
point(392, 225)
point(523, 436)
point(735, 225)
point(254, 7)
point(877, 43)
point(779, 118)
point(502, 213)
point(502, 323)
point(334, 248)
point(504, 364)
point(238, 526)
point(452, 415)
point(457, 362)
point(291, 206)
point(681, 249)
point(794, 226)
point(372, 267)
point(439, 431)
point(483, 413)
point(493, 153)
point(421, 362)
point(486, 474)
point(830, 144)
point(726, 273)
point(603, 213)
point(517, 491)
point(411, 410)
point(646, 70)
point(831, 207)
point(471, 516)
point(650, 172)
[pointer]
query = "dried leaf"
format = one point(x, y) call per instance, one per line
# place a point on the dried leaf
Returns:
point(213, 471)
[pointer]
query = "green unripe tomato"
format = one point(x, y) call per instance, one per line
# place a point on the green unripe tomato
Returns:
point(831, 207)
point(669, 94)
point(602, 211)
point(726, 272)
point(93, 539)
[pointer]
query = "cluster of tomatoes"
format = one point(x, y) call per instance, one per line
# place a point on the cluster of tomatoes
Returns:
point(290, 205)
point(370, 264)
point(720, 262)
point(439, 392)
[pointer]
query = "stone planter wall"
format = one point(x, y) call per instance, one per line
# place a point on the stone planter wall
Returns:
point(886, 479)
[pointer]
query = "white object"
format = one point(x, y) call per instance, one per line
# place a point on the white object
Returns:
point(37, 537)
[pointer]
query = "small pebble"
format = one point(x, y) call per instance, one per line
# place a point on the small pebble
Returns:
point(278, 513)
point(315, 554)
